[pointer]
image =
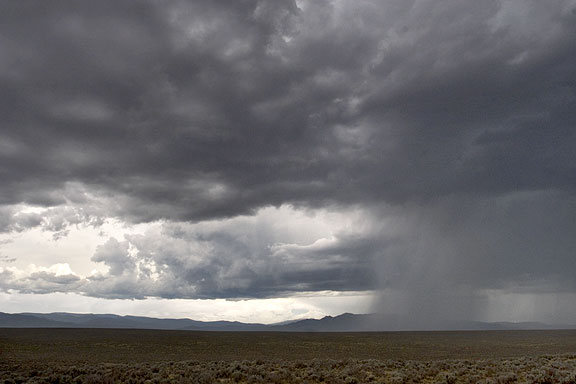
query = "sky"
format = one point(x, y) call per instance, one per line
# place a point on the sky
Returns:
point(269, 160)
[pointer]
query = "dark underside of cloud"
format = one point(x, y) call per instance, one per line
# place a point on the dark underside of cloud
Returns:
point(452, 121)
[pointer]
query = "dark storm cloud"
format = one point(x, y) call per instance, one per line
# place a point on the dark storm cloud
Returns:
point(194, 110)
point(211, 109)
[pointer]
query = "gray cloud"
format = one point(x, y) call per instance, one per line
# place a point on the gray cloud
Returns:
point(238, 258)
point(195, 110)
point(453, 118)
point(57, 220)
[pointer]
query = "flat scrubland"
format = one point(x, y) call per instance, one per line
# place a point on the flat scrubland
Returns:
point(146, 356)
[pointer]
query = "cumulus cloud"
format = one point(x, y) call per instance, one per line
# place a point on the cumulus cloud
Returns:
point(56, 220)
point(261, 256)
point(40, 280)
point(451, 119)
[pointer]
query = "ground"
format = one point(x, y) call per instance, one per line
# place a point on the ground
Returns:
point(150, 356)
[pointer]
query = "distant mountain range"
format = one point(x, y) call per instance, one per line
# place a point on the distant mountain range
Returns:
point(346, 322)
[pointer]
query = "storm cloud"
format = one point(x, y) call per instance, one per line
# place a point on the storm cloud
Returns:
point(448, 124)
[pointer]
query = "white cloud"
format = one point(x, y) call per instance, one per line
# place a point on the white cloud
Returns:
point(276, 252)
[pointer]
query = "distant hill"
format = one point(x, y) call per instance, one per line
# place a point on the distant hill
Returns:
point(349, 322)
point(8, 320)
point(74, 320)
point(346, 322)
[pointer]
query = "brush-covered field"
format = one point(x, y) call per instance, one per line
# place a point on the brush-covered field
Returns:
point(144, 356)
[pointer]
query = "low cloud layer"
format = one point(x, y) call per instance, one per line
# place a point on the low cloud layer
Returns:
point(448, 124)
point(267, 255)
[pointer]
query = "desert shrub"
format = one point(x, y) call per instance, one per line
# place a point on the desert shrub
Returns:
point(506, 378)
point(95, 378)
point(533, 370)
